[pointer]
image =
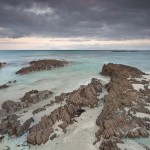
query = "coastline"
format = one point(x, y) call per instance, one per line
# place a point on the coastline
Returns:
point(75, 130)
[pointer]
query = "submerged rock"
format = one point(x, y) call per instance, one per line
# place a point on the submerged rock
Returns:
point(40, 65)
point(2, 64)
point(4, 86)
point(2, 113)
point(38, 110)
point(7, 84)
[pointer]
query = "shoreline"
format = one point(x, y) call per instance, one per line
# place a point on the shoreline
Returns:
point(103, 79)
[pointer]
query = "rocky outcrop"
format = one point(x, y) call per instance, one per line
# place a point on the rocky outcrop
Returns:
point(12, 126)
point(41, 132)
point(2, 113)
point(114, 121)
point(119, 70)
point(2, 64)
point(40, 65)
point(31, 97)
point(4, 86)
point(36, 111)
point(11, 106)
point(35, 96)
point(86, 95)
point(7, 84)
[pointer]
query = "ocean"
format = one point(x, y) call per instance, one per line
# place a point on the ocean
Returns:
point(83, 66)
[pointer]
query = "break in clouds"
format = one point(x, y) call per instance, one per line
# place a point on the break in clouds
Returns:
point(99, 19)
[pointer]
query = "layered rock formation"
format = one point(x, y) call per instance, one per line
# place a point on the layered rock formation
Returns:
point(40, 132)
point(35, 96)
point(114, 121)
point(31, 97)
point(11, 106)
point(84, 96)
point(40, 65)
point(12, 126)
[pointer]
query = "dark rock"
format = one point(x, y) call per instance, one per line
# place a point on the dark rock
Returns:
point(113, 120)
point(2, 64)
point(119, 70)
point(38, 110)
point(53, 136)
point(2, 113)
point(11, 106)
point(35, 96)
point(86, 95)
point(4, 86)
point(42, 65)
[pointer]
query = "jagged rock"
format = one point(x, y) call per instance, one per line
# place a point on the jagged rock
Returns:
point(4, 86)
point(119, 70)
point(11, 125)
point(113, 120)
point(108, 145)
point(21, 129)
point(86, 95)
point(12, 81)
point(11, 106)
point(64, 113)
point(38, 110)
point(53, 136)
point(35, 96)
point(40, 65)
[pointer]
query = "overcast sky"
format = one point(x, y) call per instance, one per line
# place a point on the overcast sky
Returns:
point(74, 24)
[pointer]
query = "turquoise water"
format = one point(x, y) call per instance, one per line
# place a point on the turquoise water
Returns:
point(89, 62)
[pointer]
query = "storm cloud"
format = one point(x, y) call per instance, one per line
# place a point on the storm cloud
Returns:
point(100, 19)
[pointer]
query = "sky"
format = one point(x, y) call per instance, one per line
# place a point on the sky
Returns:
point(75, 24)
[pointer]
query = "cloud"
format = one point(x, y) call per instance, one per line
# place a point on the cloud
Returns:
point(98, 19)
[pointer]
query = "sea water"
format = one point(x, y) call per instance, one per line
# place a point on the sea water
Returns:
point(83, 66)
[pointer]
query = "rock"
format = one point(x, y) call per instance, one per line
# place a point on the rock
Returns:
point(40, 65)
point(12, 81)
point(2, 64)
point(53, 136)
point(11, 125)
point(108, 145)
point(86, 95)
point(21, 129)
point(64, 113)
point(4, 86)
point(46, 134)
point(38, 110)
point(119, 70)
point(35, 96)
point(11, 106)
point(2, 113)
point(114, 121)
